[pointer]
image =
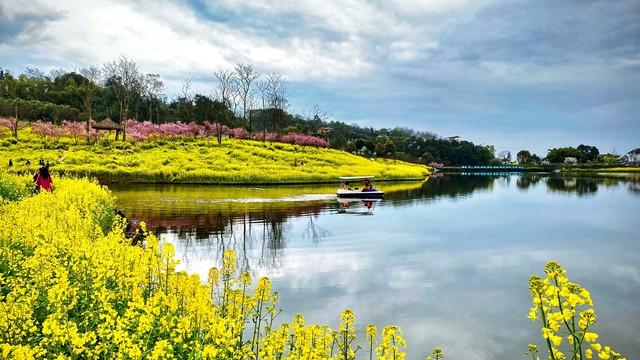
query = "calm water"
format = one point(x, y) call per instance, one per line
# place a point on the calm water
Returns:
point(447, 260)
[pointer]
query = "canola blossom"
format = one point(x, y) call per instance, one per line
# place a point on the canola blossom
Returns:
point(198, 160)
point(71, 286)
point(567, 315)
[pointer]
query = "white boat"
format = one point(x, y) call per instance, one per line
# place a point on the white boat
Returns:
point(366, 191)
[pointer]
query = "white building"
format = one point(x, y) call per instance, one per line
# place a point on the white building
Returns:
point(632, 157)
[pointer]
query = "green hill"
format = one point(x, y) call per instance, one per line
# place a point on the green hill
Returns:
point(199, 161)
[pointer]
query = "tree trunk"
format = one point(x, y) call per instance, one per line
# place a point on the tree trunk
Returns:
point(88, 107)
point(124, 122)
point(15, 125)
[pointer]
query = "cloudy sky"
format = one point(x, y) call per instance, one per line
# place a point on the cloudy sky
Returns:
point(514, 73)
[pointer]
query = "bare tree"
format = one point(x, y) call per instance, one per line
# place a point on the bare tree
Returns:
point(153, 87)
point(317, 113)
point(126, 75)
point(277, 99)
point(235, 97)
point(186, 89)
point(186, 100)
point(225, 86)
point(277, 91)
point(88, 89)
point(225, 92)
point(245, 75)
point(263, 88)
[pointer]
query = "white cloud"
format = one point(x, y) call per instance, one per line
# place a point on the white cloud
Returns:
point(172, 39)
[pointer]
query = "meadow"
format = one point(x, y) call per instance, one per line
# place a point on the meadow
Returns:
point(187, 159)
point(71, 286)
point(611, 170)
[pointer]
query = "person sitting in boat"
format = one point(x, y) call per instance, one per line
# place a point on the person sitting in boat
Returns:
point(346, 186)
point(367, 186)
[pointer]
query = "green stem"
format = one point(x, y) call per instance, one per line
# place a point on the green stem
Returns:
point(571, 331)
point(544, 323)
point(580, 344)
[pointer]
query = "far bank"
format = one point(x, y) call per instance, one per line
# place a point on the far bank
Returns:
point(201, 162)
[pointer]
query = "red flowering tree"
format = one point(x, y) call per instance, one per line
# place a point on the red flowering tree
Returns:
point(74, 129)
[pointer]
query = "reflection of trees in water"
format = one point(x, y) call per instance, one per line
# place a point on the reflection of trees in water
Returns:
point(580, 186)
point(314, 231)
point(586, 185)
point(452, 186)
point(256, 230)
point(457, 186)
point(259, 231)
point(526, 181)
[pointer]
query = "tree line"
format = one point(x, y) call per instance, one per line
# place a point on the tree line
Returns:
point(582, 154)
point(241, 98)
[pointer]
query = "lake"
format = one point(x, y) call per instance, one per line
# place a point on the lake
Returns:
point(448, 260)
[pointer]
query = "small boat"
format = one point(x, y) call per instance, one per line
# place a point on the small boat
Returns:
point(367, 191)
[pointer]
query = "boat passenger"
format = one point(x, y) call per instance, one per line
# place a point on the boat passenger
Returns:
point(346, 186)
point(367, 186)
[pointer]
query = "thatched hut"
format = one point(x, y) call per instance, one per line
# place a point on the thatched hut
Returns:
point(108, 125)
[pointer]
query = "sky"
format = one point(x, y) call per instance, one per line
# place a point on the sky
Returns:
point(517, 74)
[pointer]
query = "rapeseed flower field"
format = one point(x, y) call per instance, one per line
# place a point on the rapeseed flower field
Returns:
point(72, 286)
point(198, 160)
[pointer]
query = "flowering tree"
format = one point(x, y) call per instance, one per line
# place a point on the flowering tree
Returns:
point(238, 133)
point(74, 129)
point(43, 129)
point(11, 124)
point(303, 140)
point(6, 123)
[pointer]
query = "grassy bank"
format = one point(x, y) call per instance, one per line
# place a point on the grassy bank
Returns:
point(199, 161)
point(617, 170)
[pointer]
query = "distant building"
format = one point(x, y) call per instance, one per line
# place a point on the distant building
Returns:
point(570, 160)
point(632, 157)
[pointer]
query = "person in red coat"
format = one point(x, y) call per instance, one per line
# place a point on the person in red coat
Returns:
point(43, 179)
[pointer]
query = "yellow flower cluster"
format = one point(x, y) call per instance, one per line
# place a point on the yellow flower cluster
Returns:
point(14, 187)
point(566, 311)
point(203, 161)
point(436, 354)
point(72, 287)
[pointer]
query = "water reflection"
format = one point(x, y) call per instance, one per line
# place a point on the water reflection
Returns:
point(210, 219)
point(447, 260)
point(357, 206)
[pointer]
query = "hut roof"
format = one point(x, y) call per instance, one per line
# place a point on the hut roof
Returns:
point(107, 124)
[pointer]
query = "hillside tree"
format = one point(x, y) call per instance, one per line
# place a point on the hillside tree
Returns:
point(245, 76)
point(127, 79)
point(87, 91)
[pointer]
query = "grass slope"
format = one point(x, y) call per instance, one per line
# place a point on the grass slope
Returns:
point(199, 161)
point(603, 170)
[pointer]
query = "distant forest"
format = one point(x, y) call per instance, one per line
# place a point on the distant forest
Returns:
point(119, 90)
